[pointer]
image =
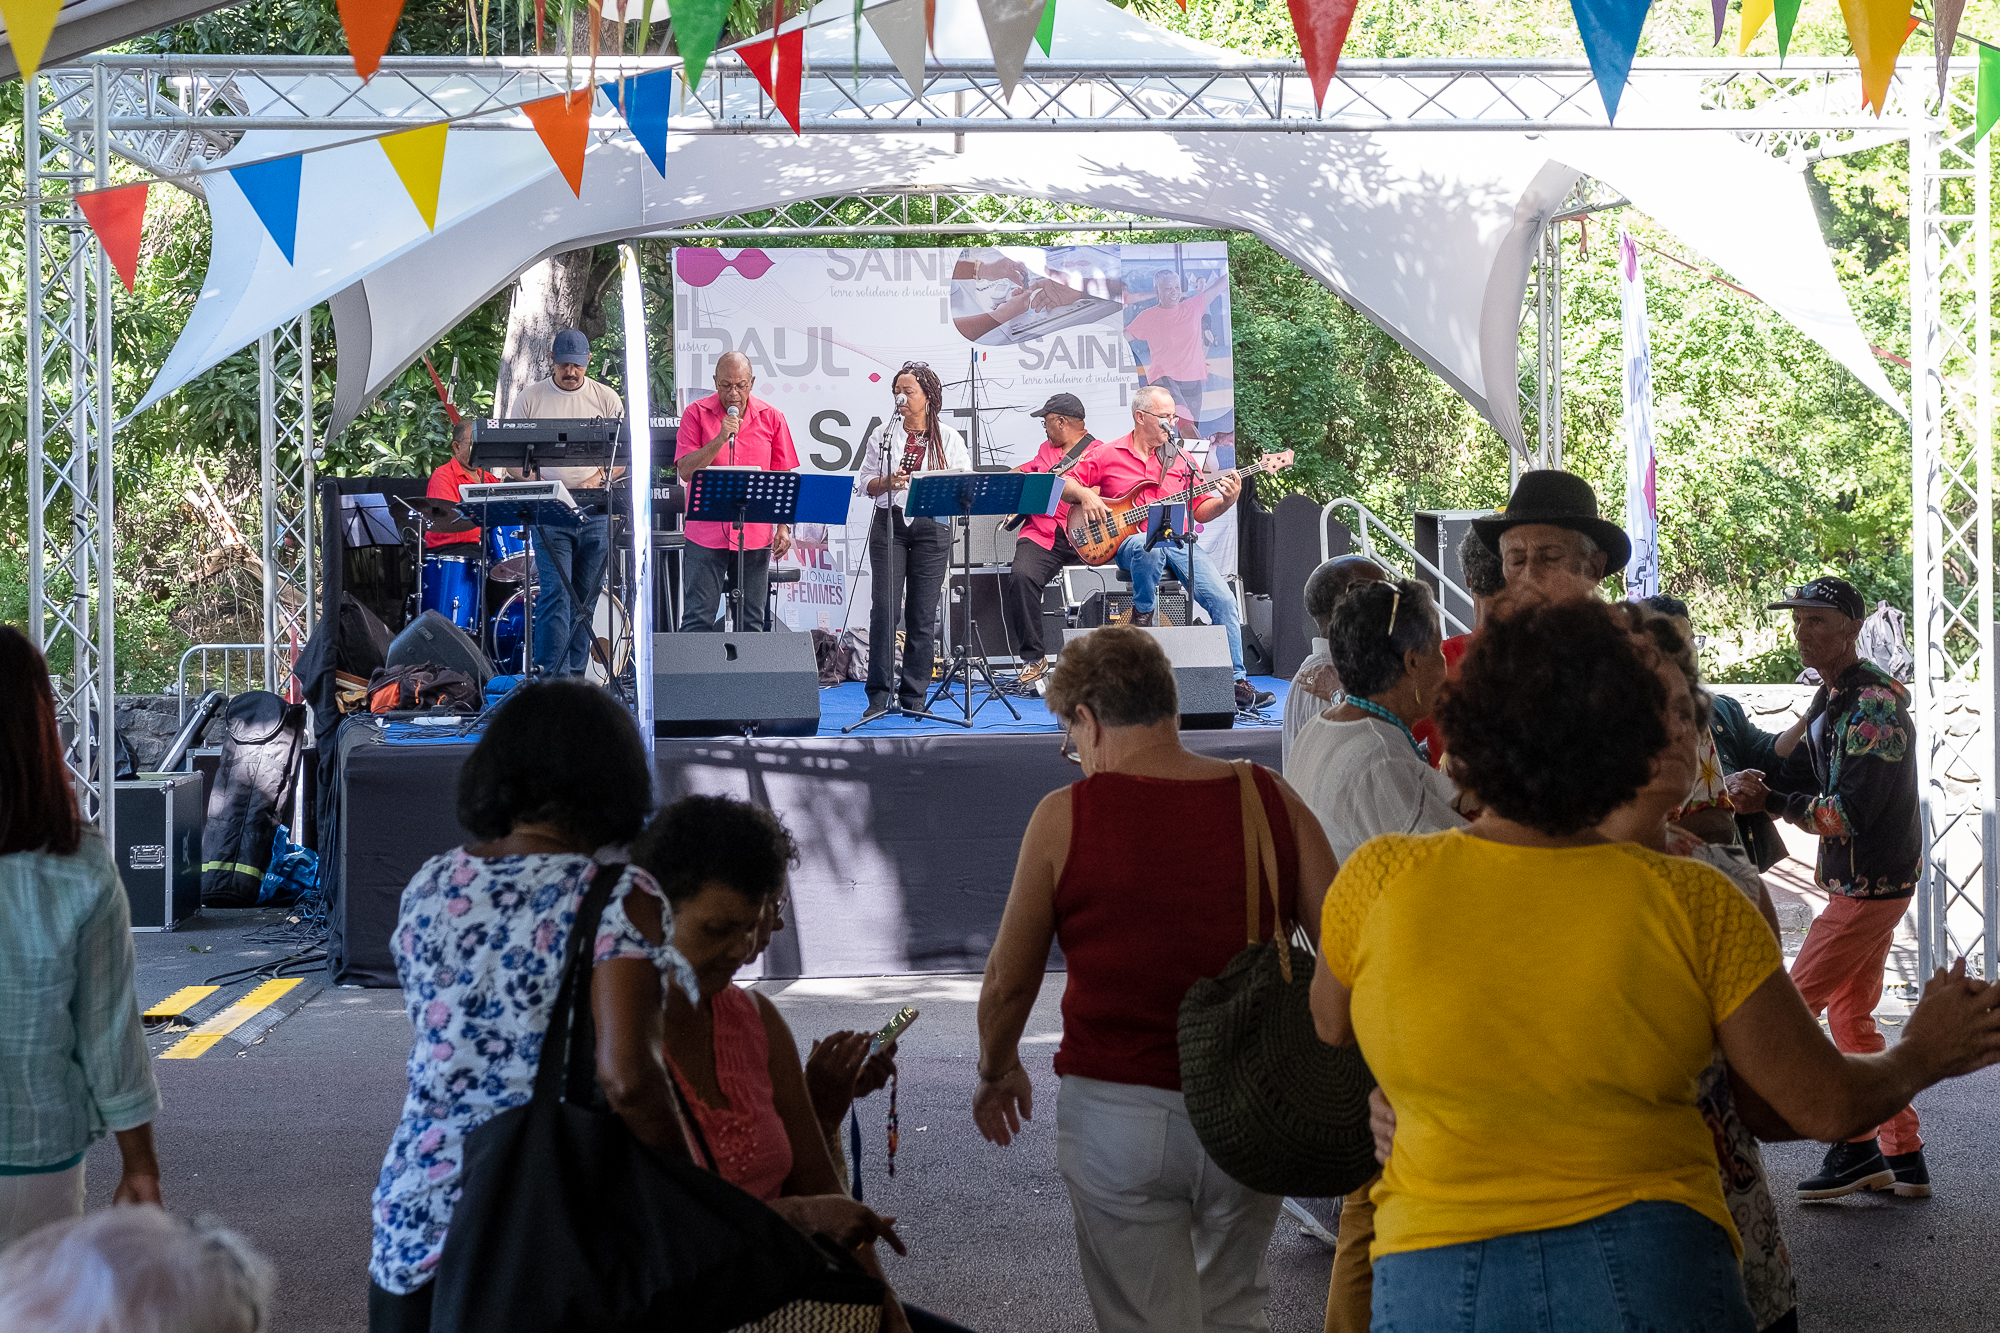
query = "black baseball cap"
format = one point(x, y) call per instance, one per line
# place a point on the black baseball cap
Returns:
point(1829, 592)
point(1062, 405)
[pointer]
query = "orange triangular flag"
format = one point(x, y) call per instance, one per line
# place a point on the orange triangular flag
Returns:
point(779, 64)
point(119, 218)
point(418, 157)
point(369, 25)
point(563, 121)
point(29, 23)
point(1877, 30)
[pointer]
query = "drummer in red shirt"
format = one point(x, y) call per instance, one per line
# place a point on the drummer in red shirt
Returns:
point(756, 436)
point(457, 471)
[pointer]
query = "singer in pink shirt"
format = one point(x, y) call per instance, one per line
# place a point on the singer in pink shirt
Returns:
point(729, 428)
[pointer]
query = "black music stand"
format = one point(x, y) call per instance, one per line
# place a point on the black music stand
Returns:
point(737, 496)
point(947, 497)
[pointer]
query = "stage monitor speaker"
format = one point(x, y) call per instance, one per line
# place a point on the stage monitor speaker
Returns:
point(433, 639)
point(1203, 675)
point(735, 684)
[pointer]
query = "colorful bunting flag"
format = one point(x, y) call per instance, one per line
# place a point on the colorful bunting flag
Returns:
point(643, 102)
point(29, 23)
point(118, 216)
point(779, 63)
point(369, 25)
point(1877, 30)
point(272, 187)
point(1610, 31)
point(1788, 18)
point(1987, 99)
point(1944, 33)
point(1721, 8)
point(697, 28)
point(1046, 34)
point(1755, 14)
point(418, 157)
point(1010, 26)
point(903, 28)
point(1321, 26)
point(563, 122)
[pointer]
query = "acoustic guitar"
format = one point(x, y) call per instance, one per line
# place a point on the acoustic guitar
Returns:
point(1097, 543)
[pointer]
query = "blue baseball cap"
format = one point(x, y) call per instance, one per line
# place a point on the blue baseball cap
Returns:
point(571, 349)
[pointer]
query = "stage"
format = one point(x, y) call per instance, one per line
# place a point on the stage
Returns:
point(907, 830)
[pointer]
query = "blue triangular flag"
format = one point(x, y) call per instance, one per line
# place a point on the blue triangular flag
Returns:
point(273, 190)
point(1610, 31)
point(646, 115)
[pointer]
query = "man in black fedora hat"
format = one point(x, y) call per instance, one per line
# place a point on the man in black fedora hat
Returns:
point(1551, 543)
point(1851, 779)
point(1044, 548)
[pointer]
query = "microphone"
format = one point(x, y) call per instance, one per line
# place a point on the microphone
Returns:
point(902, 400)
point(735, 411)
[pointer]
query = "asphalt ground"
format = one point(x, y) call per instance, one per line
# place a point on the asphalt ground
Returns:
point(280, 1133)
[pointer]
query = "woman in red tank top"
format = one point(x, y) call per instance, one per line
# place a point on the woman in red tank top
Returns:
point(1137, 871)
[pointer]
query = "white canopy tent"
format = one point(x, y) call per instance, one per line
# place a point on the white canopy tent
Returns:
point(1431, 235)
point(91, 25)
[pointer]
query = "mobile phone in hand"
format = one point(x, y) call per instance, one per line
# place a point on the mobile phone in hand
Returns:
point(892, 1029)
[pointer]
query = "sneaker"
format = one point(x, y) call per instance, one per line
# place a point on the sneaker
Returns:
point(1143, 619)
point(1031, 677)
point(1849, 1167)
point(1913, 1178)
point(1249, 696)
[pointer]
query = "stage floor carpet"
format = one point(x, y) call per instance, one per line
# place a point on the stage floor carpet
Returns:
point(907, 830)
point(842, 705)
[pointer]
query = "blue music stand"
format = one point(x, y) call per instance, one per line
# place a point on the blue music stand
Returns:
point(737, 496)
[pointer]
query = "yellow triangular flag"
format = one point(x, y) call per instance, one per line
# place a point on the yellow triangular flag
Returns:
point(29, 23)
point(418, 157)
point(1877, 30)
point(1756, 13)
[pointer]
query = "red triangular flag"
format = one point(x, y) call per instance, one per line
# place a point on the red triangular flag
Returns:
point(1321, 26)
point(779, 64)
point(119, 218)
point(563, 121)
point(369, 25)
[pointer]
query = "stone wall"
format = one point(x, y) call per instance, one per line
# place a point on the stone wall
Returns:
point(148, 723)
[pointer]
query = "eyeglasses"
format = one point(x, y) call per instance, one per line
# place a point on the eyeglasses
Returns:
point(1395, 605)
point(1700, 642)
point(915, 365)
point(1069, 747)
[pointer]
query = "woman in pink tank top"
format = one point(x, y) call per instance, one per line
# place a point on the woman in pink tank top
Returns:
point(1137, 871)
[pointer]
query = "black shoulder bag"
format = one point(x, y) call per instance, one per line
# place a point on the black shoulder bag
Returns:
point(567, 1222)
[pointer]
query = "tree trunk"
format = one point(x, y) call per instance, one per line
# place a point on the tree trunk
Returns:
point(561, 292)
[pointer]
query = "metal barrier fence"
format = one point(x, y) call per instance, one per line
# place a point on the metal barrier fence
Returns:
point(251, 679)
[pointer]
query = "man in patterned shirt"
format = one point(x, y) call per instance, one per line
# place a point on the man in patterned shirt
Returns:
point(1852, 781)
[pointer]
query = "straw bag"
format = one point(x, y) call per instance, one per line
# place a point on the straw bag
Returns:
point(1278, 1109)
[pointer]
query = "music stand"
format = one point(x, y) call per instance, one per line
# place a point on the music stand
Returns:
point(737, 496)
point(959, 495)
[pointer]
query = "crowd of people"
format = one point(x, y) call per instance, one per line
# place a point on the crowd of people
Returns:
point(1552, 795)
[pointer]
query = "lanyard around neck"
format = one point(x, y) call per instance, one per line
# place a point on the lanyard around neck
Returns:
point(1373, 709)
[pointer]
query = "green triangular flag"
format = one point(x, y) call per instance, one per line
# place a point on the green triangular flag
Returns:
point(1047, 32)
point(1989, 93)
point(1787, 12)
point(697, 28)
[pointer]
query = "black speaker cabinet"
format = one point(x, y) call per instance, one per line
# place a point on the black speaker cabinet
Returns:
point(989, 589)
point(1296, 556)
point(1203, 675)
point(1439, 531)
point(735, 684)
point(159, 847)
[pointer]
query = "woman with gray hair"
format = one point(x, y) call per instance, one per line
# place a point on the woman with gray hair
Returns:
point(1317, 684)
point(133, 1270)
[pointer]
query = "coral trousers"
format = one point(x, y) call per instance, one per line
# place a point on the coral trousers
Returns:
point(1839, 971)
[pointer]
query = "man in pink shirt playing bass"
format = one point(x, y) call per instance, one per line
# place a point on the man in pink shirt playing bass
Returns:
point(754, 435)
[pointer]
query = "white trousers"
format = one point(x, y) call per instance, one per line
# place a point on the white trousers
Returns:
point(29, 1203)
point(1168, 1243)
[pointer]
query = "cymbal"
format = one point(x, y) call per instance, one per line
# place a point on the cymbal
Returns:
point(511, 570)
point(439, 516)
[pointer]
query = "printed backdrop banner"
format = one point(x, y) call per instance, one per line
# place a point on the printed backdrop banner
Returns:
point(1004, 327)
point(1642, 574)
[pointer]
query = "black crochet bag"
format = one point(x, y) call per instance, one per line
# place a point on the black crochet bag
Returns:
point(1278, 1109)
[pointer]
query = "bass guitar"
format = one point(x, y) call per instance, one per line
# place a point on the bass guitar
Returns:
point(1096, 543)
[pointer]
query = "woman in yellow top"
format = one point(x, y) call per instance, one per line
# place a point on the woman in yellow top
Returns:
point(1551, 1169)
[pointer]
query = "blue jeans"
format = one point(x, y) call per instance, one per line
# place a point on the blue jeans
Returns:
point(1658, 1266)
point(1196, 572)
point(570, 564)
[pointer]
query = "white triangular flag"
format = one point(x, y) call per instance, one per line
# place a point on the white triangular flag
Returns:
point(899, 26)
point(1010, 27)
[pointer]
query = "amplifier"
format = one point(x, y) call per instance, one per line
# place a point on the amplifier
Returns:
point(989, 588)
point(735, 684)
point(1203, 675)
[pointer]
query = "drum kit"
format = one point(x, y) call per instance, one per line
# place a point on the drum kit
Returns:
point(452, 583)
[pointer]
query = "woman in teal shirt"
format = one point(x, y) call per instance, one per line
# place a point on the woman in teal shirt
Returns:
point(73, 1059)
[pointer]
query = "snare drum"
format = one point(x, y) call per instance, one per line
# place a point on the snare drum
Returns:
point(451, 588)
point(507, 548)
point(610, 638)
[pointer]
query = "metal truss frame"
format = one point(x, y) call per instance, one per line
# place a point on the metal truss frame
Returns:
point(287, 450)
point(175, 115)
point(70, 431)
